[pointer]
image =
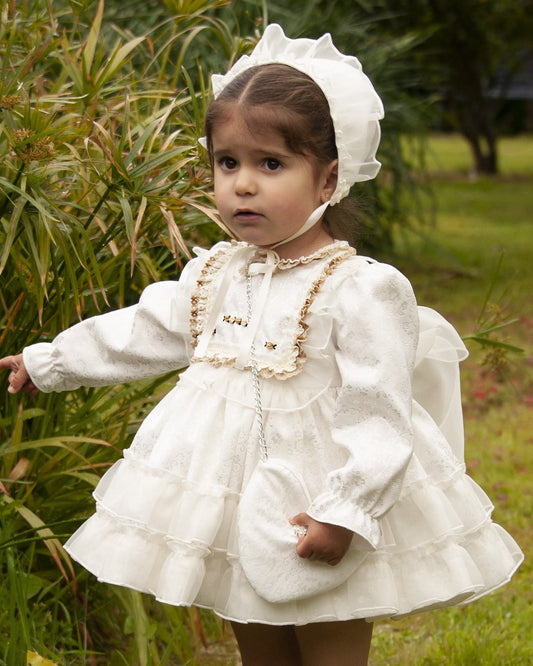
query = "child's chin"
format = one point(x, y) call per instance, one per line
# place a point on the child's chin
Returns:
point(256, 239)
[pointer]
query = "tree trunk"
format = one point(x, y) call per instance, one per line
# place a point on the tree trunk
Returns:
point(484, 153)
point(473, 111)
point(465, 50)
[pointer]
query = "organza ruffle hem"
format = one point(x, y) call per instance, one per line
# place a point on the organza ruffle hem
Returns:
point(164, 535)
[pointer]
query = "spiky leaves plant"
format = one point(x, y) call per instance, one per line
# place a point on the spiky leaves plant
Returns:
point(99, 195)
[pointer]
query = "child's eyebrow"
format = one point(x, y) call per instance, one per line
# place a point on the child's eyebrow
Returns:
point(222, 152)
point(259, 153)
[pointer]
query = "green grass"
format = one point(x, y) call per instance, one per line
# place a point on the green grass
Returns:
point(449, 153)
point(482, 238)
point(482, 245)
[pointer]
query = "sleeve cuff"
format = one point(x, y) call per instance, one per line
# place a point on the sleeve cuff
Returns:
point(38, 360)
point(329, 509)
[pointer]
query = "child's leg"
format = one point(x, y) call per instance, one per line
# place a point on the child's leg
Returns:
point(339, 643)
point(266, 645)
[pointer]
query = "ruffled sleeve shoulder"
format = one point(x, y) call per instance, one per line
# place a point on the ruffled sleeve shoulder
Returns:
point(436, 378)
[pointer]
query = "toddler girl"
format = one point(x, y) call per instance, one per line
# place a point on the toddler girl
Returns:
point(298, 350)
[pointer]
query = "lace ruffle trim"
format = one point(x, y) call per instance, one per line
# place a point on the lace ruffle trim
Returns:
point(200, 296)
point(321, 253)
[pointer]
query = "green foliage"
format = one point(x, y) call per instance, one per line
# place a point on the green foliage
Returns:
point(96, 166)
point(100, 194)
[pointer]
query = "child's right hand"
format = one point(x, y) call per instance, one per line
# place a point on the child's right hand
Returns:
point(322, 541)
point(19, 379)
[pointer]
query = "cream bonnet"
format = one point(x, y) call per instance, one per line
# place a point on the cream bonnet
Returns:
point(355, 106)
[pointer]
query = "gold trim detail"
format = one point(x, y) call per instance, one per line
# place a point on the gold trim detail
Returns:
point(200, 303)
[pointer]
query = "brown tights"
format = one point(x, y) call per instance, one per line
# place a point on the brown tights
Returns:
point(318, 644)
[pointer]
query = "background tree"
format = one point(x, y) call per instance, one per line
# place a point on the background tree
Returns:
point(468, 52)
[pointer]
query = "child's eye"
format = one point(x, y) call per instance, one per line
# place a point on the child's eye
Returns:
point(227, 163)
point(272, 164)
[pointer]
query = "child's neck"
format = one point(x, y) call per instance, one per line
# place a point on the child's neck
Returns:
point(306, 244)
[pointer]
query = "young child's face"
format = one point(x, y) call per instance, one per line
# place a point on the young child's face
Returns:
point(263, 191)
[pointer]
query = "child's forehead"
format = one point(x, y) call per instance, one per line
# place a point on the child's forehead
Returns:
point(239, 130)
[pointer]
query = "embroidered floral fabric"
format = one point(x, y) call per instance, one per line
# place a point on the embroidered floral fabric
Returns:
point(347, 382)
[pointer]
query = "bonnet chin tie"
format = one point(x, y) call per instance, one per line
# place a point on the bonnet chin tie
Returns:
point(308, 224)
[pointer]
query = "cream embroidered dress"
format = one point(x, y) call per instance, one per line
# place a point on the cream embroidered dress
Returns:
point(337, 338)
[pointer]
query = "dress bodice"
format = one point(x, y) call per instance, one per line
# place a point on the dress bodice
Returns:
point(283, 292)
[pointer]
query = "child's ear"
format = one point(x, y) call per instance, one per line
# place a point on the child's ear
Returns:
point(329, 180)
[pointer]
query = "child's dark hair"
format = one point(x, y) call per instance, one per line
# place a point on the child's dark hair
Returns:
point(289, 102)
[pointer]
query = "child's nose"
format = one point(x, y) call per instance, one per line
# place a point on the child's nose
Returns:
point(245, 182)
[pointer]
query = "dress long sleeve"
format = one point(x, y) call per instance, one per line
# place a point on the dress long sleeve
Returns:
point(376, 333)
point(144, 340)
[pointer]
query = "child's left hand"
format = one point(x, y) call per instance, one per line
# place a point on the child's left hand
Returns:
point(323, 542)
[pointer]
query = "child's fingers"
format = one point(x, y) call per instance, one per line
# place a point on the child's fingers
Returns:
point(15, 383)
point(28, 387)
point(19, 385)
point(11, 363)
point(301, 525)
point(299, 519)
point(323, 542)
point(7, 362)
point(19, 378)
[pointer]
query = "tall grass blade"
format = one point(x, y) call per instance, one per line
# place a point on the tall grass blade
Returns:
point(92, 39)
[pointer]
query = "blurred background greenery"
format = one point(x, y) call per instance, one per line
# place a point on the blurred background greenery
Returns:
point(103, 189)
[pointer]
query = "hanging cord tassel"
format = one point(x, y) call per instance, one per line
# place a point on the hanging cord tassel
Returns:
point(298, 530)
point(263, 451)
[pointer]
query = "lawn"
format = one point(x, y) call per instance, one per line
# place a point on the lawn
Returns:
point(448, 154)
point(480, 249)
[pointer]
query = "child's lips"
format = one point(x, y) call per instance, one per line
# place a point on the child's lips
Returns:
point(246, 215)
